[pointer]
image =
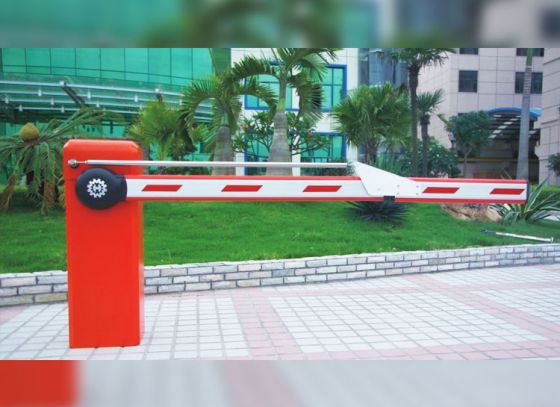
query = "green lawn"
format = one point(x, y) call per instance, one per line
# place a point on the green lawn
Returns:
point(181, 232)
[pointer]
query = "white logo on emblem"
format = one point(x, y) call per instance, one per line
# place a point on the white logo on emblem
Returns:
point(97, 188)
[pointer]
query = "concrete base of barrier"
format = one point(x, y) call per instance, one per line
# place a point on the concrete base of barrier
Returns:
point(51, 286)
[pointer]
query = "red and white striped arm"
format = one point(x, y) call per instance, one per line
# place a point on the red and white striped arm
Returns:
point(370, 184)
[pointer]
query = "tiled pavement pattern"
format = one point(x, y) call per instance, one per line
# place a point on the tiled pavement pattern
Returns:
point(507, 313)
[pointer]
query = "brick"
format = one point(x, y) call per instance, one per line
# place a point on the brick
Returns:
point(375, 273)
point(337, 276)
point(172, 288)
point(412, 256)
point(294, 264)
point(403, 264)
point(187, 279)
point(340, 261)
point(18, 281)
point(343, 269)
point(197, 286)
point(211, 277)
point(357, 260)
point(370, 266)
point(394, 257)
point(199, 270)
point(428, 269)
point(151, 272)
point(356, 274)
point(158, 280)
point(419, 263)
point(316, 263)
point(150, 290)
point(7, 292)
point(52, 297)
point(393, 272)
point(521, 249)
point(249, 267)
point(326, 270)
point(446, 253)
point(17, 300)
point(380, 266)
point(305, 271)
point(452, 260)
point(445, 267)
point(376, 259)
point(35, 289)
point(217, 285)
point(429, 255)
point(174, 272)
point(260, 274)
point(294, 280)
point(60, 279)
point(282, 273)
point(273, 266)
point(272, 281)
point(316, 278)
point(237, 276)
point(491, 263)
point(411, 270)
point(249, 283)
point(225, 269)
point(460, 266)
point(477, 265)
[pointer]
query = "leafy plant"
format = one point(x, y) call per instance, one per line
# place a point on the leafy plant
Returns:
point(370, 116)
point(384, 211)
point(428, 104)
point(472, 131)
point(441, 161)
point(538, 206)
point(37, 155)
point(554, 163)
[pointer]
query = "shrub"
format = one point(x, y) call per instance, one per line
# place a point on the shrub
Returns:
point(554, 163)
point(538, 207)
point(385, 211)
point(441, 161)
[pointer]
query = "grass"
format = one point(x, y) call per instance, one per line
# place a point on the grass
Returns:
point(184, 232)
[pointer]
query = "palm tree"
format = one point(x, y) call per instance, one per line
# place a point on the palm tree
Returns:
point(158, 125)
point(428, 103)
point(416, 59)
point(294, 68)
point(373, 115)
point(224, 93)
point(37, 155)
point(523, 153)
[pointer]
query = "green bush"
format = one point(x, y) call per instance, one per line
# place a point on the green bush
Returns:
point(538, 206)
point(441, 161)
point(554, 163)
point(385, 211)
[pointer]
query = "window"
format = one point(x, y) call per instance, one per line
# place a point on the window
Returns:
point(468, 81)
point(468, 51)
point(536, 82)
point(252, 102)
point(537, 52)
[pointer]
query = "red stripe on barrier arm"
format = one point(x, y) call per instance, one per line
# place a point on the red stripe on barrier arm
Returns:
point(322, 188)
point(242, 188)
point(161, 188)
point(440, 190)
point(506, 191)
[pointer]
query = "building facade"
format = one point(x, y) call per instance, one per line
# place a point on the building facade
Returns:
point(550, 120)
point(488, 79)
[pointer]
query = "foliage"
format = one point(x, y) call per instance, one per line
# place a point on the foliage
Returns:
point(157, 128)
point(259, 128)
point(472, 131)
point(370, 116)
point(554, 163)
point(538, 207)
point(415, 59)
point(428, 103)
point(392, 163)
point(39, 158)
point(384, 211)
point(441, 161)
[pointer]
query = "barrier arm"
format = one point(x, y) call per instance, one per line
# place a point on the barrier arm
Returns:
point(105, 187)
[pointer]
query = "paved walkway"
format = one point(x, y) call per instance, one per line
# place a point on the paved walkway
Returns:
point(507, 313)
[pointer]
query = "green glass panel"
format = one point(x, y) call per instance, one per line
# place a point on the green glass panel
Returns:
point(327, 97)
point(159, 62)
point(252, 101)
point(88, 58)
point(328, 76)
point(136, 60)
point(338, 76)
point(202, 64)
point(90, 73)
point(63, 57)
point(63, 71)
point(38, 56)
point(338, 94)
point(161, 79)
point(14, 69)
point(140, 77)
point(179, 62)
point(112, 75)
point(180, 81)
point(112, 59)
point(13, 56)
point(39, 69)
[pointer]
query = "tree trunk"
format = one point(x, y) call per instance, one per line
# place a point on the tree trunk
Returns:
point(413, 85)
point(523, 154)
point(223, 151)
point(279, 150)
point(465, 155)
point(424, 122)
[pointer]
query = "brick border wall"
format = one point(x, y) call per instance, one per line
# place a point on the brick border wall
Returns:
point(51, 286)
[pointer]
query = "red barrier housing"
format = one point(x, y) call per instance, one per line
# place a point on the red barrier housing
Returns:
point(103, 243)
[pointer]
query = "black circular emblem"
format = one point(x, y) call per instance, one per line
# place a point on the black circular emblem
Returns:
point(98, 188)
